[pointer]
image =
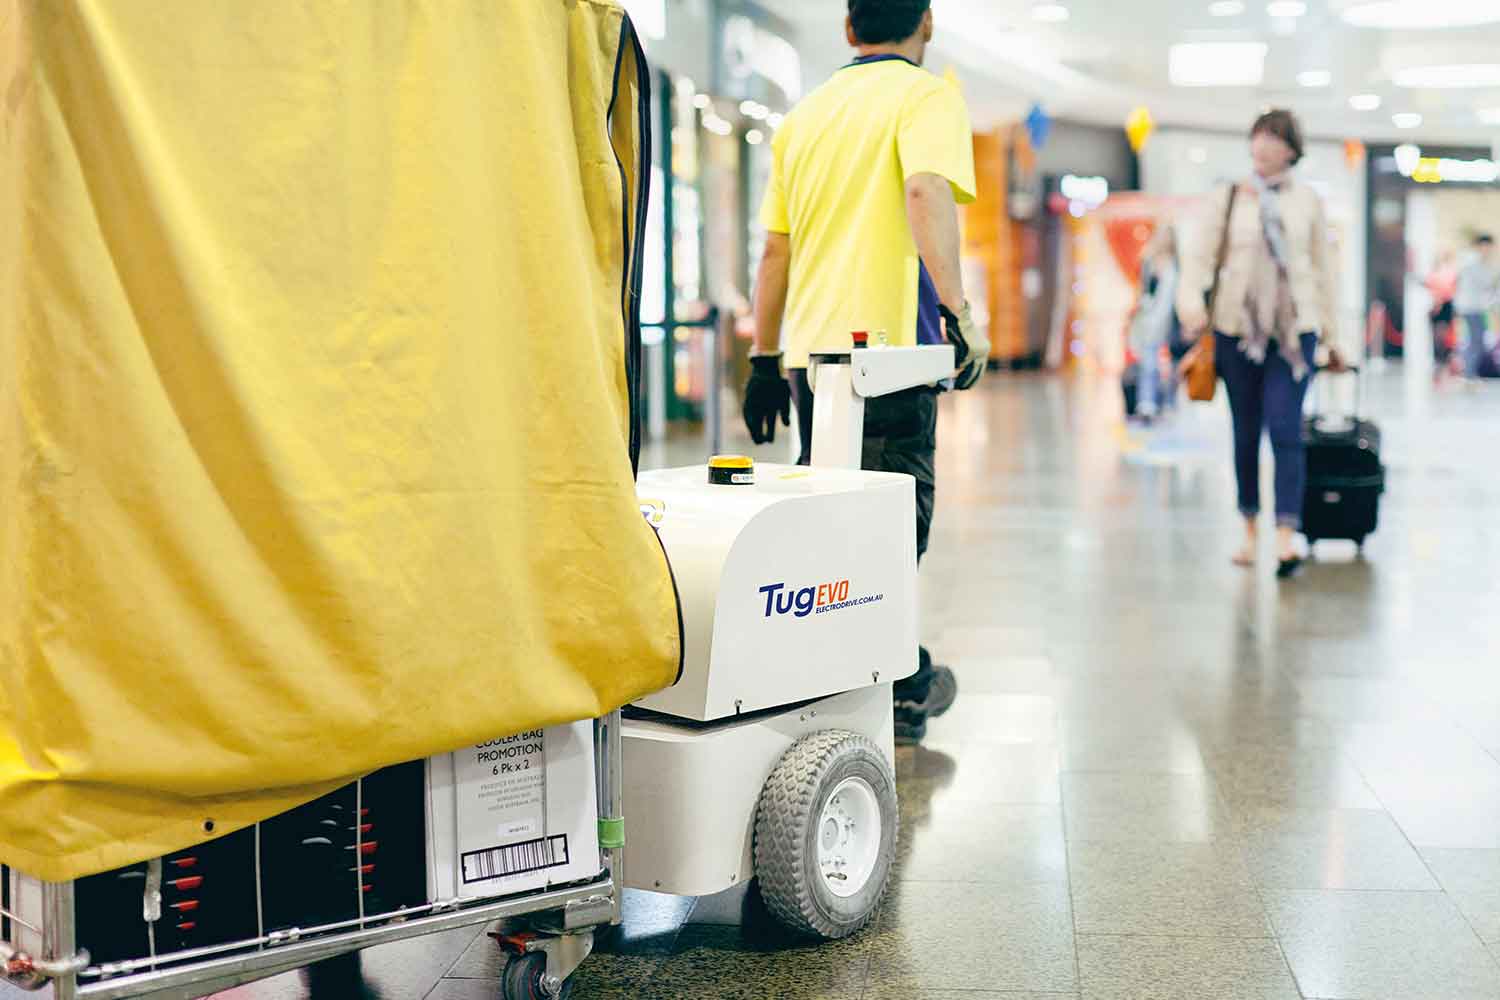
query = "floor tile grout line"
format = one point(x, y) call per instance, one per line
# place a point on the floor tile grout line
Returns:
point(1406, 837)
point(1062, 808)
point(1154, 936)
point(1494, 961)
point(1001, 884)
point(460, 956)
point(671, 949)
point(1275, 931)
point(981, 991)
point(1358, 892)
point(864, 980)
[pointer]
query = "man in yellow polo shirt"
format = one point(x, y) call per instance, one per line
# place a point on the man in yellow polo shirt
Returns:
point(862, 223)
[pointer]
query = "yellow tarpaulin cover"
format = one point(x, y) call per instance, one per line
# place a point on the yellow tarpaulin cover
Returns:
point(315, 402)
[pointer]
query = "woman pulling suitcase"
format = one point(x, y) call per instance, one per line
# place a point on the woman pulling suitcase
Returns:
point(1258, 287)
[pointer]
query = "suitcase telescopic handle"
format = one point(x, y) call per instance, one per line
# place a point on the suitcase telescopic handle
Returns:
point(1359, 391)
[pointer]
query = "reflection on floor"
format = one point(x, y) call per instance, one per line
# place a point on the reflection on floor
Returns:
point(1165, 777)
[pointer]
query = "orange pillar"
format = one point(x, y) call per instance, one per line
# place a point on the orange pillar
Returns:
point(991, 236)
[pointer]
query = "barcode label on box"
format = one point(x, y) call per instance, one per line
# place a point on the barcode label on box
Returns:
point(515, 859)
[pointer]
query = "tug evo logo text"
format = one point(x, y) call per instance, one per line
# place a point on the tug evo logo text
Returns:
point(783, 600)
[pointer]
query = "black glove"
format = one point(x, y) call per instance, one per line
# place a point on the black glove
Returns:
point(971, 348)
point(766, 395)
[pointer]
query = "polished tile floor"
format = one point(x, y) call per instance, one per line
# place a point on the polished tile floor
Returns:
point(1165, 777)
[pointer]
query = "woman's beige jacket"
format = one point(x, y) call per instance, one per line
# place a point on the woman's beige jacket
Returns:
point(1311, 271)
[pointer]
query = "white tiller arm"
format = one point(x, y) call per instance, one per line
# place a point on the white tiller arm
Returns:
point(845, 380)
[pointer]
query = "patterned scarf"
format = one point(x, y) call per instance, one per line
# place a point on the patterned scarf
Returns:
point(1270, 311)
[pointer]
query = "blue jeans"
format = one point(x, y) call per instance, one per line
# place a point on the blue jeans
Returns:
point(1148, 384)
point(1478, 324)
point(1265, 397)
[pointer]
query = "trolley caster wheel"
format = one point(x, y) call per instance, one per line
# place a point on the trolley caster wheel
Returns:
point(525, 978)
point(825, 834)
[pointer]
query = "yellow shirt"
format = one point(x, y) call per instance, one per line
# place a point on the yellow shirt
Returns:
point(838, 188)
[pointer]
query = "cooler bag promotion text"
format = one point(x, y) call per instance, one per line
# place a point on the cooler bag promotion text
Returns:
point(503, 802)
point(516, 813)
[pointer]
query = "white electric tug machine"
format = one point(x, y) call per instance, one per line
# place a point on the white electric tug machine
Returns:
point(771, 758)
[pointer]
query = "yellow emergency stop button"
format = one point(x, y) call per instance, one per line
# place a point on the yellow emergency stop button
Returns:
point(731, 470)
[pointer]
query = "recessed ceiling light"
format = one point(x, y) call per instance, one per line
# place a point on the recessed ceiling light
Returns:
point(1490, 116)
point(1049, 13)
point(1217, 64)
point(1406, 119)
point(1286, 8)
point(1365, 102)
point(755, 137)
point(1455, 77)
point(1227, 8)
point(1395, 15)
point(1314, 78)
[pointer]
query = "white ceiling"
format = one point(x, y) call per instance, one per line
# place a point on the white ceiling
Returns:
point(1112, 55)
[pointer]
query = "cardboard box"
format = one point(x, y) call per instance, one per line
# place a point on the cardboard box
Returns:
point(514, 815)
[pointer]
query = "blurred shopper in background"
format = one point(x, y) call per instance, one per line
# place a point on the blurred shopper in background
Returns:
point(1154, 328)
point(1442, 285)
point(1478, 292)
point(1274, 319)
point(866, 176)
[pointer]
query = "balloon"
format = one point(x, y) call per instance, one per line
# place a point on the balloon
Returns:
point(1038, 125)
point(1138, 128)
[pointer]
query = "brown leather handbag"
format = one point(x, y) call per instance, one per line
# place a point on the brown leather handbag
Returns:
point(1199, 369)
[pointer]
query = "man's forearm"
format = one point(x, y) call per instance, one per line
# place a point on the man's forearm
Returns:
point(770, 293)
point(933, 215)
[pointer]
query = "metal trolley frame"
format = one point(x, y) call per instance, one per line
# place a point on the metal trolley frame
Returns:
point(559, 923)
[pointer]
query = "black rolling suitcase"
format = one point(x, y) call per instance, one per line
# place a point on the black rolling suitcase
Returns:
point(1344, 478)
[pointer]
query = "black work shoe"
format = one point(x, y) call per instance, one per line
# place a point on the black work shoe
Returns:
point(941, 692)
point(911, 727)
point(942, 689)
point(1288, 568)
